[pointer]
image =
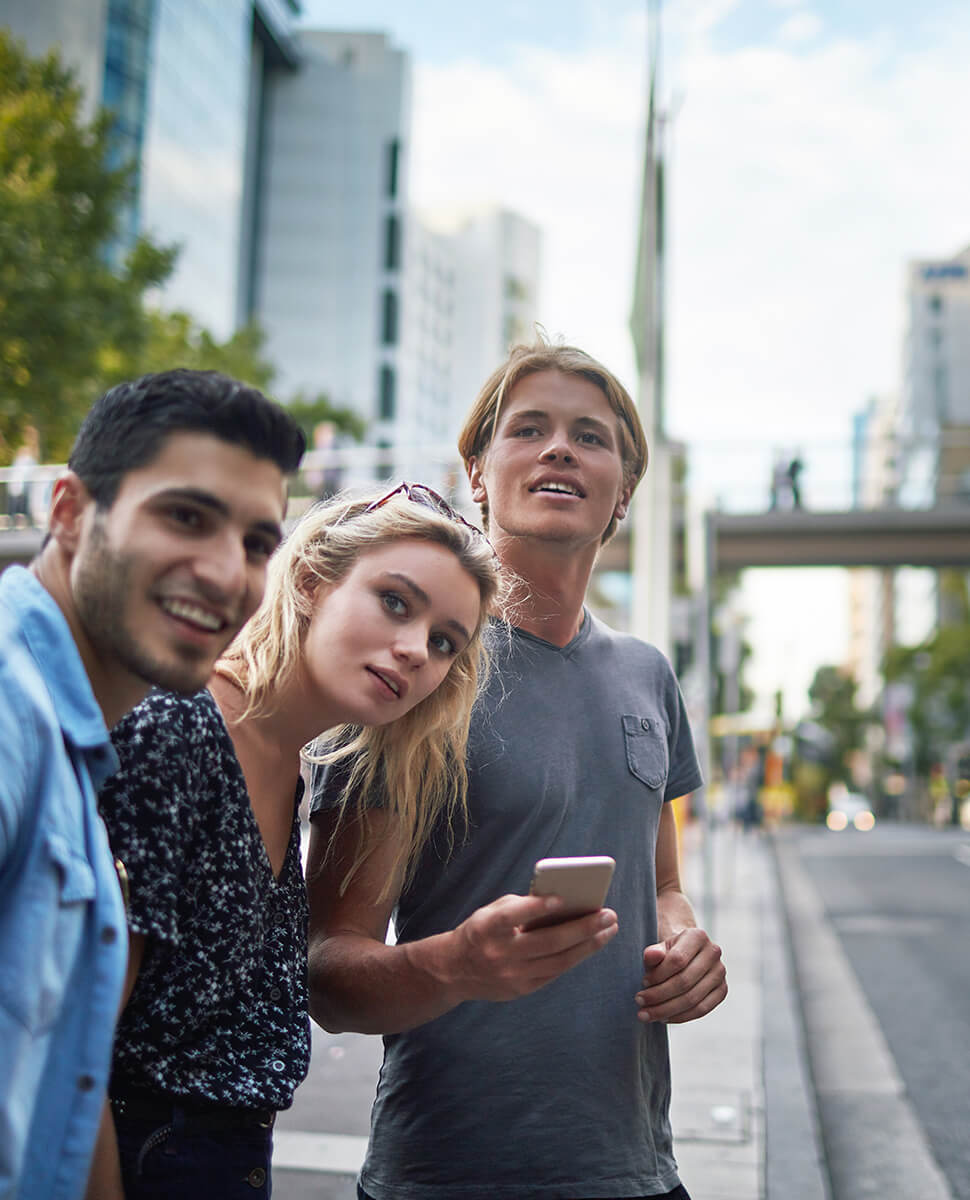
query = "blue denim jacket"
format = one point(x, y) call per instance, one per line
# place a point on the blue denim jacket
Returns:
point(63, 943)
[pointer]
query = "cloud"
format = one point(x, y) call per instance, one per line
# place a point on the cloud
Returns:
point(801, 179)
point(802, 26)
point(557, 139)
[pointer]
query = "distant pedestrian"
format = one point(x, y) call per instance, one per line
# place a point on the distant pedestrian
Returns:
point(21, 489)
point(159, 536)
point(793, 473)
point(371, 625)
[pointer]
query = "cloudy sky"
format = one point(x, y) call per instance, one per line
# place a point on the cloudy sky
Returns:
point(813, 148)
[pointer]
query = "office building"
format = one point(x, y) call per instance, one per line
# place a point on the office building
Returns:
point(385, 312)
point(936, 381)
point(185, 79)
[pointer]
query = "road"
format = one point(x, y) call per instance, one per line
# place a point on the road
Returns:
point(898, 902)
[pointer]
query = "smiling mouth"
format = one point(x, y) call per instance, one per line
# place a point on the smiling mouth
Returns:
point(558, 489)
point(194, 614)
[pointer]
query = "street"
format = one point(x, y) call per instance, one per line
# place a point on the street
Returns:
point(898, 900)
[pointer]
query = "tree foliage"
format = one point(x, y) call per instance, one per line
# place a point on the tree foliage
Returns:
point(833, 696)
point(309, 413)
point(938, 672)
point(61, 298)
point(73, 322)
point(169, 340)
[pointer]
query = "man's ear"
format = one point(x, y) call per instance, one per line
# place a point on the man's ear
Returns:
point(476, 478)
point(70, 500)
point(623, 504)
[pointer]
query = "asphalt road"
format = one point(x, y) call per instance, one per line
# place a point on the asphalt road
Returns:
point(898, 901)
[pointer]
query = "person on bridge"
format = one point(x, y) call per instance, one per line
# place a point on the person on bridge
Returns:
point(159, 536)
point(371, 628)
point(529, 1062)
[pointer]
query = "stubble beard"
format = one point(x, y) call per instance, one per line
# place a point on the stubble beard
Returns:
point(102, 587)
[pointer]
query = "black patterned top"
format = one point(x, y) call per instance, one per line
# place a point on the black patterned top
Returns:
point(219, 1010)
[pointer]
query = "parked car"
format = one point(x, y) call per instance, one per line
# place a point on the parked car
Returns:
point(848, 810)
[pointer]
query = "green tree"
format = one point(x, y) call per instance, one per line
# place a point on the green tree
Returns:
point(175, 340)
point(308, 413)
point(938, 671)
point(833, 696)
point(61, 300)
point(168, 340)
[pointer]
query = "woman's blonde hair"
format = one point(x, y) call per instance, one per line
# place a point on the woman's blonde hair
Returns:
point(543, 355)
point(413, 767)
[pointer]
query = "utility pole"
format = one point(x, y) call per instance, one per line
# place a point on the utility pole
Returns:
point(652, 518)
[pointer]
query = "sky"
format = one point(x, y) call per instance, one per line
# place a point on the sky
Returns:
point(812, 149)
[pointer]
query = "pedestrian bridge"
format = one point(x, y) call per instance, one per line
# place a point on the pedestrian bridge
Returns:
point(886, 537)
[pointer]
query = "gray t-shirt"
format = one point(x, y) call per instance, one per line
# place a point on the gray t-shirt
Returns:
point(563, 1093)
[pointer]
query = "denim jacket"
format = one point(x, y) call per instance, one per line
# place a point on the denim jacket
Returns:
point(63, 944)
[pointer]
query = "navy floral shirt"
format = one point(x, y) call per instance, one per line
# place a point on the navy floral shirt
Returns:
point(219, 1010)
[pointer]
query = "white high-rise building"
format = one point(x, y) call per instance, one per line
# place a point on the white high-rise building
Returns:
point(497, 260)
point(936, 380)
point(872, 606)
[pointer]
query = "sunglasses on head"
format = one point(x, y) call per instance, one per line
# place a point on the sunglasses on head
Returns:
point(420, 493)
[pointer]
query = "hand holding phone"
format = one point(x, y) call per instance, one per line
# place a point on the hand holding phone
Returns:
point(582, 882)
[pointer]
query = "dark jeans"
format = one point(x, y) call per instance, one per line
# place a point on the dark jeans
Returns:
point(178, 1162)
point(679, 1193)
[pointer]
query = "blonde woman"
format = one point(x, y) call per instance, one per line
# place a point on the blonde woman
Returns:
point(371, 630)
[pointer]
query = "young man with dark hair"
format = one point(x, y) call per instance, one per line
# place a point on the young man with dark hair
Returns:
point(159, 535)
point(531, 1062)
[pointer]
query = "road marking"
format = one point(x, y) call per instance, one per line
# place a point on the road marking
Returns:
point(962, 854)
point(333, 1153)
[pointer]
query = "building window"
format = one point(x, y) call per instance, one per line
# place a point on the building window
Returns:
point(389, 316)
point(382, 469)
point(386, 397)
point(392, 243)
point(393, 166)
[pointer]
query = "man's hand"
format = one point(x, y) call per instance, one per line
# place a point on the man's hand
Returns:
point(490, 956)
point(684, 978)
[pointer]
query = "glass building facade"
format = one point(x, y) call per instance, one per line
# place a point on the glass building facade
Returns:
point(125, 93)
point(185, 81)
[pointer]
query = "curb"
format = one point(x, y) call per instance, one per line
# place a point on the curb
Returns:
point(794, 1158)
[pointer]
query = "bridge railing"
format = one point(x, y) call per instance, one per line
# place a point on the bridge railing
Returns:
point(25, 491)
point(750, 475)
point(737, 475)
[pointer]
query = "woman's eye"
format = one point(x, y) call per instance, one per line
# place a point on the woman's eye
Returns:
point(525, 431)
point(591, 439)
point(442, 643)
point(394, 603)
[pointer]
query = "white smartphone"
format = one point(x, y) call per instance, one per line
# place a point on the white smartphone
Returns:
point(582, 882)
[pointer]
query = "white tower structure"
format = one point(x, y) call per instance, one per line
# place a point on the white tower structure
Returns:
point(652, 517)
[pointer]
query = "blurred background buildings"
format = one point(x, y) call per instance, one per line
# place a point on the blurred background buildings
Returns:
point(277, 159)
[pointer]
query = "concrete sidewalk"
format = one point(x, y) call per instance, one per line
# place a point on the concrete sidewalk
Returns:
point(743, 1110)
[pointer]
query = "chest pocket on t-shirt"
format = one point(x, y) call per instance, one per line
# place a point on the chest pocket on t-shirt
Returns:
point(646, 750)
